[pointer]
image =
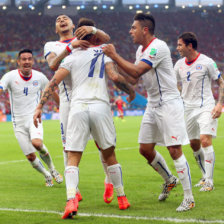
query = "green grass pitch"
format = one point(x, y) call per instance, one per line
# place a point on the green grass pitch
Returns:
point(24, 199)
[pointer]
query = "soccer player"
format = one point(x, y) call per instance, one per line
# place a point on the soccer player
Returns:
point(196, 71)
point(90, 113)
point(163, 121)
point(119, 102)
point(25, 86)
point(55, 52)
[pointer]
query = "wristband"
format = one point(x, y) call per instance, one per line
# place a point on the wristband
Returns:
point(69, 48)
point(94, 30)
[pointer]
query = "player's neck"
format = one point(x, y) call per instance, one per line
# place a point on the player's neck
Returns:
point(25, 74)
point(192, 56)
point(147, 41)
point(66, 36)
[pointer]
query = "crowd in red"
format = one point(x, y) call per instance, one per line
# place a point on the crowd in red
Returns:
point(33, 31)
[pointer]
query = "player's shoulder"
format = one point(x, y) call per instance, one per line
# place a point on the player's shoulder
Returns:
point(180, 62)
point(51, 43)
point(38, 73)
point(11, 73)
point(206, 59)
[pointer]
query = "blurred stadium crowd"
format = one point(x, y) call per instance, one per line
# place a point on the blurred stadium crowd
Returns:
point(33, 31)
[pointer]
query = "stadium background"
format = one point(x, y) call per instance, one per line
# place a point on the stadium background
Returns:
point(30, 24)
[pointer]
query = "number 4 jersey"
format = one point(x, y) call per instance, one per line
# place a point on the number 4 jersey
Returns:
point(196, 78)
point(87, 69)
point(24, 94)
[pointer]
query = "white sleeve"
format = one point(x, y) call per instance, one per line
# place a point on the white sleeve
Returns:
point(4, 82)
point(213, 70)
point(176, 70)
point(154, 55)
point(67, 63)
point(107, 59)
point(48, 48)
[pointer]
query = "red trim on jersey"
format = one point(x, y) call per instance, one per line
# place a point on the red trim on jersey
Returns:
point(22, 76)
point(143, 49)
point(191, 62)
point(65, 41)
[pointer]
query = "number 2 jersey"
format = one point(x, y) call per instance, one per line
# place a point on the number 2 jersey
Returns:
point(24, 94)
point(87, 70)
point(196, 78)
point(57, 47)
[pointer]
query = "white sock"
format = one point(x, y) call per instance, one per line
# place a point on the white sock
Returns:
point(115, 173)
point(200, 159)
point(209, 163)
point(184, 175)
point(71, 180)
point(45, 156)
point(107, 177)
point(159, 165)
point(37, 164)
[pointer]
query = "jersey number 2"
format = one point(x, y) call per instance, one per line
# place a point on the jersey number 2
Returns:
point(188, 76)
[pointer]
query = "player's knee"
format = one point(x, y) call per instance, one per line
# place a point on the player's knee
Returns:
point(206, 141)
point(37, 144)
point(31, 157)
point(195, 145)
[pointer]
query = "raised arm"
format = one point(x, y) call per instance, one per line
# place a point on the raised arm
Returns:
point(119, 81)
point(101, 36)
point(48, 92)
point(217, 111)
point(54, 60)
point(131, 69)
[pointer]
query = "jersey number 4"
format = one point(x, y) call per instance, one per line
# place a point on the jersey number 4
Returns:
point(25, 91)
point(92, 66)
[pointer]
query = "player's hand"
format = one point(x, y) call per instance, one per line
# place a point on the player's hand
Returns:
point(37, 117)
point(131, 96)
point(82, 31)
point(84, 44)
point(109, 50)
point(217, 111)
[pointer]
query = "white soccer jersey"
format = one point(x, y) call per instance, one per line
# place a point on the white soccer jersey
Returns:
point(57, 47)
point(24, 94)
point(88, 75)
point(196, 79)
point(160, 81)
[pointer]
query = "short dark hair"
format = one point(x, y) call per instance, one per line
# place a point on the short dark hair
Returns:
point(86, 22)
point(25, 51)
point(189, 38)
point(146, 20)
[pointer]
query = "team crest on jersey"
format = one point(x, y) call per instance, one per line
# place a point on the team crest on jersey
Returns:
point(35, 83)
point(198, 67)
point(153, 53)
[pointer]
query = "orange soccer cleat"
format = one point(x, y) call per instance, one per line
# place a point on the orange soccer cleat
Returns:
point(108, 193)
point(123, 202)
point(71, 208)
point(78, 196)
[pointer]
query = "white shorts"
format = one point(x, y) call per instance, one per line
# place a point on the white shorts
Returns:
point(25, 131)
point(164, 125)
point(90, 118)
point(199, 121)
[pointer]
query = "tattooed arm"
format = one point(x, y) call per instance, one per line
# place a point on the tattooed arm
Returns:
point(48, 92)
point(119, 81)
point(217, 111)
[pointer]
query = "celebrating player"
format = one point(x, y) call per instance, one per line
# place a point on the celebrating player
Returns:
point(90, 113)
point(196, 71)
point(120, 103)
point(163, 121)
point(25, 85)
point(55, 52)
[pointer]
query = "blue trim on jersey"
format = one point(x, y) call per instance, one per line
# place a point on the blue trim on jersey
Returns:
point(163, 168)
point(189, 174)
point(66, 92)
point(219, 75)
point(67, 41)
point(1, 87)
point(160, 92)
point(147, 62)
point(102, 67)
point(202, 91)
point(47, 54)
